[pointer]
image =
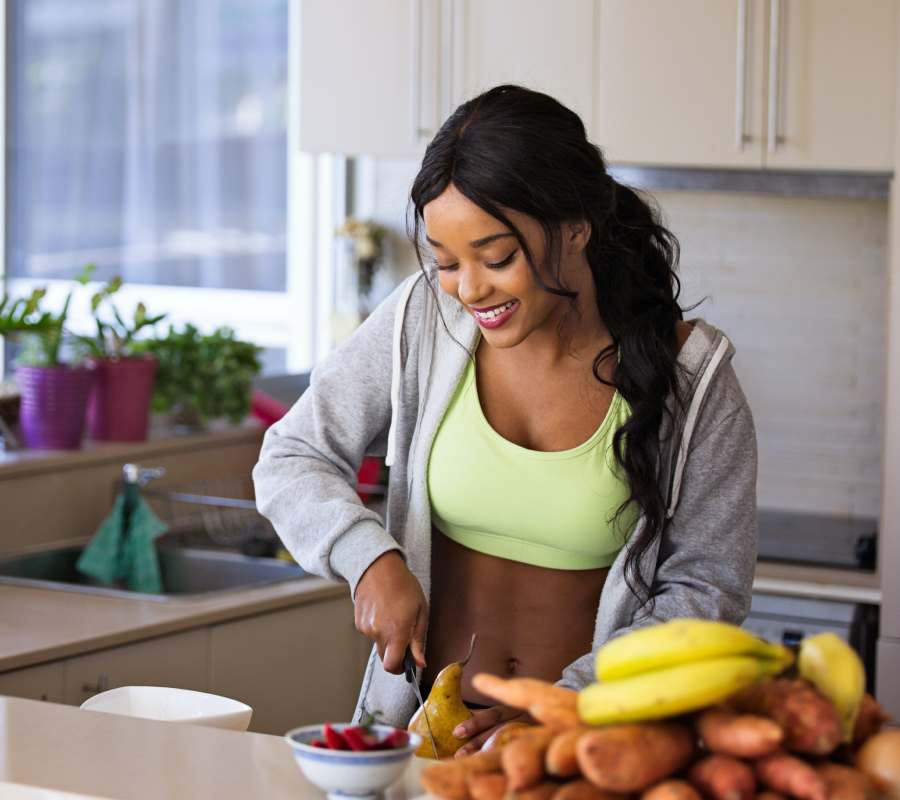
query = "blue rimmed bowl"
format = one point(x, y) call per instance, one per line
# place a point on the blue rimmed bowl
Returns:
point(348, 774)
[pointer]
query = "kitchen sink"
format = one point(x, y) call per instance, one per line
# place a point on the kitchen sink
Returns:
point(187, 573)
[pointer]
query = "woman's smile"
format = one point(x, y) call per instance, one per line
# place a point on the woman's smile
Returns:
point(495, 316)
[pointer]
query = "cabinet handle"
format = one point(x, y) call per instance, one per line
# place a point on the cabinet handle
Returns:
point(101, 686)
point(740, 103)
point(774, 74)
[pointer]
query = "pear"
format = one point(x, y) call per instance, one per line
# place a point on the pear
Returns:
point(445, 708)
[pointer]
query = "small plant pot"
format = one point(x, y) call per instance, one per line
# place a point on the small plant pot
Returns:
point(52, 410)
point(119, 405)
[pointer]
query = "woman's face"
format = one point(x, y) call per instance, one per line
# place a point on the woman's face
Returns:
point(481, 264)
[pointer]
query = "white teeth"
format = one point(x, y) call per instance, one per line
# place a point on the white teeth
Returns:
point(495, 312)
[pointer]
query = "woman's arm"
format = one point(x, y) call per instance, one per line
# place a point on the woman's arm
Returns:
point(305, 479)
point(707, 554)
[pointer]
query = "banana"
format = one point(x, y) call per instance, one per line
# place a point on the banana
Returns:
point(835, 669)
point(672, 690)
point(680, 641)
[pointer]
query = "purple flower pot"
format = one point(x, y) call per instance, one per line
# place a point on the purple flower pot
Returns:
point(119, 406)
point(54, 400)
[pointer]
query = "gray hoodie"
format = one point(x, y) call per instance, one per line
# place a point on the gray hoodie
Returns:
point(384, 392)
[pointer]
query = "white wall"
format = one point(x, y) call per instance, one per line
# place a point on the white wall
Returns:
point(799, 285)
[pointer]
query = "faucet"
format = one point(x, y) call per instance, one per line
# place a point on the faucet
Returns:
point(141, 476)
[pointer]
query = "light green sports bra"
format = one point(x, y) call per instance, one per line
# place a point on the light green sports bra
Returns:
point(550, 509)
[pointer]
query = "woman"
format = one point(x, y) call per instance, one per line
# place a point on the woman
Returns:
point(570, 458)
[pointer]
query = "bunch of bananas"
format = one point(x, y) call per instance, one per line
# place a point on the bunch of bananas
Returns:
point(676, 667)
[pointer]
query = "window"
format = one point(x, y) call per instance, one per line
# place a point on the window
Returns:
point(151, 138)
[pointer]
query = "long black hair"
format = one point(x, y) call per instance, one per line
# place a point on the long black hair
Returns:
point(514, 148)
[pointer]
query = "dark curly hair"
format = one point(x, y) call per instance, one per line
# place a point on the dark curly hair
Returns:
point(514, 148)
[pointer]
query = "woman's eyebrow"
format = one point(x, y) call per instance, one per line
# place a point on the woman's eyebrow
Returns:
point(476, 243)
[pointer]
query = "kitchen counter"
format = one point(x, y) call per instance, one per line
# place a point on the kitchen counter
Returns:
point(92, 754)
point(38, 625)
point(823, 583)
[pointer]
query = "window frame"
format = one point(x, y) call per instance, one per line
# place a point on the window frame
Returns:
point(295, 319)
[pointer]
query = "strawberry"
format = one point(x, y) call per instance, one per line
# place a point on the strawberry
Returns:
point(359, 738)
point(319, 743)
point(394, 740)
point(334, 739)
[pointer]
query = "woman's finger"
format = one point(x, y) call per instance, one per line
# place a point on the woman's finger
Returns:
point(481, 720)
point(417, 645)
point(394, 652)
point(475, 744)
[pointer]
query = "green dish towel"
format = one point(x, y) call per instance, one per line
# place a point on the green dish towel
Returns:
point(122, 549)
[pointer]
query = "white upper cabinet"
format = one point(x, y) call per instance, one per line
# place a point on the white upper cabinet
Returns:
point(538, 44)
point(368, 75)
point(785, 84)
point(680, 84)
point(833, 68)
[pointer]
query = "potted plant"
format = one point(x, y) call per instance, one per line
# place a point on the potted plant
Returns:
point(201, 377)
point(54, 392)
point(119, 404)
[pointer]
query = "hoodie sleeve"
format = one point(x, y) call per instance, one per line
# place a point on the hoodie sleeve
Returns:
point(707, 553)
point(305, 479)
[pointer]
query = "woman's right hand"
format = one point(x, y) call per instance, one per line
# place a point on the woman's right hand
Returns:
point(390, 609)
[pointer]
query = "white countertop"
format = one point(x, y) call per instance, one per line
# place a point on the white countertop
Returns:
point(55, 748)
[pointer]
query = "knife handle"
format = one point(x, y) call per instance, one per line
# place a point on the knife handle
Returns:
point(409, 666)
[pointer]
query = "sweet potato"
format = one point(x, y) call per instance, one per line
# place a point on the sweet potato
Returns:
point(769, 796)
point(449, 779)
point(524, 692)
point(585, 790)
point(558, 717)
point(541, 791)
point(741, 735)
point(505, 734)
point(846, 783)
point(809, 720)
point(561, 761)
point(723, 778)
point(631, 758)
point(869, 720)
point(523, 759)
point(786, 774)
point(487, 786)
point(672, 789)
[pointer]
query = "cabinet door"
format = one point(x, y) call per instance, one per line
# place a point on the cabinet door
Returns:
point(293, 667)
point(541, 45)
point(43, 682)
point(179, 660)
point(368, 75)
point(833, 84)
point(677, 82)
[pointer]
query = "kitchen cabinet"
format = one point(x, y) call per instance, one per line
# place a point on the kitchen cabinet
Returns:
point(380, 78)
point(294, 667)
point(43, 682)
point(179, 660)
point(800, 84)
point(367, 75)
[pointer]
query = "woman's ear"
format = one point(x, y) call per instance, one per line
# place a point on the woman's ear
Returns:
point(577, 235)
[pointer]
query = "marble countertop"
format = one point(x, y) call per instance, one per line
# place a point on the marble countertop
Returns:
point(49, 748)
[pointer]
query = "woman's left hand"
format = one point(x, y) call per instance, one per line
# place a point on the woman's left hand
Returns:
point(483, 724)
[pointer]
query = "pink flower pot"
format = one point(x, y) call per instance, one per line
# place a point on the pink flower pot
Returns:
point(54, 400)
point(119, 406)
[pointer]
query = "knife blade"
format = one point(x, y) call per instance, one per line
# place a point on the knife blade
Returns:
point(409, 669)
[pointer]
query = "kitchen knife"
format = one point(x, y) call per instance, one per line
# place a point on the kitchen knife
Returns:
point(409, 669)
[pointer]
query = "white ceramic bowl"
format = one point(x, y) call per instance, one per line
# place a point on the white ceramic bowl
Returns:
point(343, 773)
point(173, 705)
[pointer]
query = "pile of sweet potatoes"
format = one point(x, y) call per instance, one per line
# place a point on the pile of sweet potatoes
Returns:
point(778, 739)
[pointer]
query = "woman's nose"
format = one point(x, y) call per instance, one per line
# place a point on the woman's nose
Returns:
point(471, 288)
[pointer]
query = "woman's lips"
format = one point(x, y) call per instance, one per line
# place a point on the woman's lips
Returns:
point(496, 320)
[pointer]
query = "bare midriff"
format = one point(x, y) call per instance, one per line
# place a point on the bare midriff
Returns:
point(531, 621)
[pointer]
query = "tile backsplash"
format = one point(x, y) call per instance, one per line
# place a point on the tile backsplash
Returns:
point(799, 286)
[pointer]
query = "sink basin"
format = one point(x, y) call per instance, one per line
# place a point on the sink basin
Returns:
point(186, 572)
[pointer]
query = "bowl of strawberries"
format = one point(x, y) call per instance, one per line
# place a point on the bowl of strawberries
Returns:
point(358, 761)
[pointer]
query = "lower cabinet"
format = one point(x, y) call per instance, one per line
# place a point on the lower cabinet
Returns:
point(178, 659)
point(43, 682)
point(294, 666)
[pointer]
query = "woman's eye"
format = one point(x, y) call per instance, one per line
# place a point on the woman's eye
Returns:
point(506, 261)
point(444, 268)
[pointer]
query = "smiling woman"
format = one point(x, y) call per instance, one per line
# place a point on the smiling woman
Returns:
point(569, 457)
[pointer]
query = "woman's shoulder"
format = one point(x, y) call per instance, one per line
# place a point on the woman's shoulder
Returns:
point(682, 331)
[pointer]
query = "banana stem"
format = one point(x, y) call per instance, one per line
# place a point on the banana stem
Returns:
point(471, 649)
